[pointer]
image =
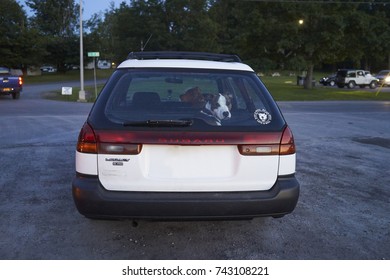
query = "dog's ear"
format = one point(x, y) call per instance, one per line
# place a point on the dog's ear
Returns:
point(216, 97)
point(188, 95)
point(208, 96)
point(228, 95)
point(183, 97)
point(196, 90)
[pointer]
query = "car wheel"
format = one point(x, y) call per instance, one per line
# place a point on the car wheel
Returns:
point(15, 95)
point(332, 83)
point(373, 85)
point(351, 84)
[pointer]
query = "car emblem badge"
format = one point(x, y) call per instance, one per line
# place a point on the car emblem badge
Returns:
point(262, 116)
point(117, 161)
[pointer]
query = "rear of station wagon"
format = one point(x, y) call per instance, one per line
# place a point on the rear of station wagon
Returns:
point(185, 136)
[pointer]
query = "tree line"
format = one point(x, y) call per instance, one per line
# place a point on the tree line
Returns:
point(293, 35)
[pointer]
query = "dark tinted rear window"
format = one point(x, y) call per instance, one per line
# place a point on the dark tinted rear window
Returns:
point(342, 73)
point(224, 100)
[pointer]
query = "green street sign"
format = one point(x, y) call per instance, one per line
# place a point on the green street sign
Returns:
point(93, 54)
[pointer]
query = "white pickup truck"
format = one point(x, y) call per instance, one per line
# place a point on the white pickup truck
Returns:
point(353, 78)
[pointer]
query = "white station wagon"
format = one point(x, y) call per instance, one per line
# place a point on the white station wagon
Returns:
point(183, 135)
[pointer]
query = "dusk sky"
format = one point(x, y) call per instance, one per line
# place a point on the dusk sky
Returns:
point(90, 7)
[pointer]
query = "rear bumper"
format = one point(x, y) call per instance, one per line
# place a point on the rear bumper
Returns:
point(10, 90)
point(93, 201)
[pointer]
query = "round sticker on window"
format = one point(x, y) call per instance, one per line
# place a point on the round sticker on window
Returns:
point(262, 116)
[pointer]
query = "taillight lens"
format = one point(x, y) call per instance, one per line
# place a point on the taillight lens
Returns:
point(287, 145)
point(87, 141)
point(90, 142)
point(119, 148)
point(126, 142)
point(20, 81)
point(258, 150)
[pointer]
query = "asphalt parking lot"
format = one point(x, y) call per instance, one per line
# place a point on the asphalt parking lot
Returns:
point(342, 213)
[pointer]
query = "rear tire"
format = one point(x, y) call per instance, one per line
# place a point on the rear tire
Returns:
point(351, 84)
point(15, 95)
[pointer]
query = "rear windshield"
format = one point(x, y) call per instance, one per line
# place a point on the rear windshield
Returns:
point(4, 70)
point(205, 98)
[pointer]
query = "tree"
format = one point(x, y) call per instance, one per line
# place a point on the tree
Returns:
point(375, 34)
point(132, 26)
point(100, 37)
point(56, 21)
point(321, 36)
point(266, 34)
point(190, 26)
point(12, 25)
point(54, 17)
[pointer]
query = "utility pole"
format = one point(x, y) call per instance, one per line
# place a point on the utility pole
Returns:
point(81, 92)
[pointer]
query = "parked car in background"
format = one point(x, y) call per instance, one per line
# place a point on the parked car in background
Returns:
point(181, 135)
point(383, 77)
point(10, 84)
point(329, 80)
point(103, 64)
point(352, 78)
point(72, 67)
point(48, 69)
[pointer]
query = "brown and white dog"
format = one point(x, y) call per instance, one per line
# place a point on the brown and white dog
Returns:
point(194, 97)
point(214, 106)
point(219, 106)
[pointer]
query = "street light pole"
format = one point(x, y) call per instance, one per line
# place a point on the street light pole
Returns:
point(81, 92)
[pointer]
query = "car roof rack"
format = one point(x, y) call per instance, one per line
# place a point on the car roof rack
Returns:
point(185, 55)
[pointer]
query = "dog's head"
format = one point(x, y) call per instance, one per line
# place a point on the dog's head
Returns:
point(220, 105)
point(193, 96)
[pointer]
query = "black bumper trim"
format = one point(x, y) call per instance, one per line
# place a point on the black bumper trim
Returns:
point(94, 201)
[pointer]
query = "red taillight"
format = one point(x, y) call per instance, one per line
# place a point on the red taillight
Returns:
point(20, 81)
point(87, 140)
point(287, 145)
point(90, 142)
point(127, 142)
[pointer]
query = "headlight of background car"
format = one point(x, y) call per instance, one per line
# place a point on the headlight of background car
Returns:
point(387, 79)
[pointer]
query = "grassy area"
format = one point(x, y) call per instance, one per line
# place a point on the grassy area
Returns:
point(286, 89)
point(73, 75)
point(283, 88)
point(89, 94)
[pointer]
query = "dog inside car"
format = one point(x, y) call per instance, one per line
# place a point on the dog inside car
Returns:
point(194, 97)
point(214, 107)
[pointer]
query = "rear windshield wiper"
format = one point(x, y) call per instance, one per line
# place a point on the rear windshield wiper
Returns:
point(160, 123)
